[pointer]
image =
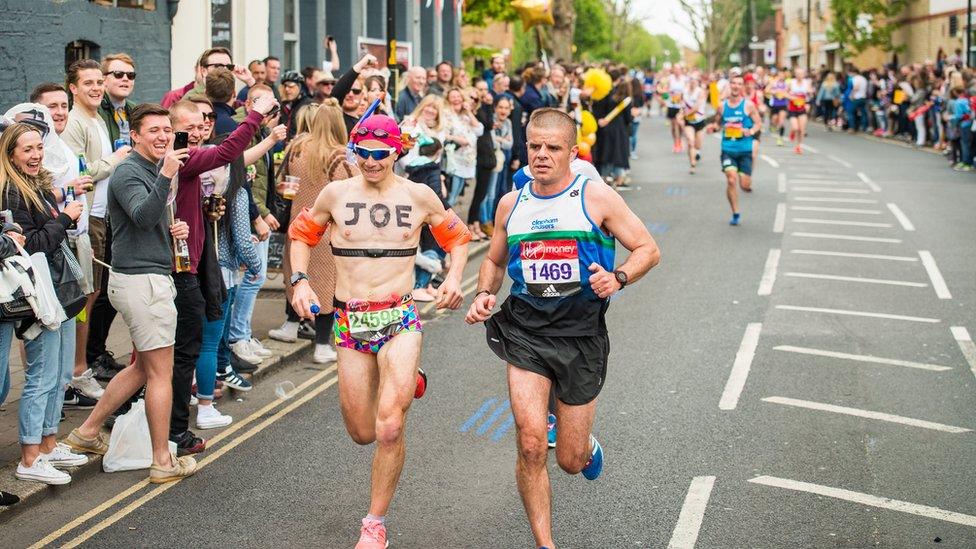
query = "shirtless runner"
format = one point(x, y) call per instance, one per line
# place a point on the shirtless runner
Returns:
point(377, 218)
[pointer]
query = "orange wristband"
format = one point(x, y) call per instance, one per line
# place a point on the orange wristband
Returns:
point(305, 229)
point(451, 232)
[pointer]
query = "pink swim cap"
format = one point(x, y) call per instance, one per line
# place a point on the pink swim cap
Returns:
point(378, 127)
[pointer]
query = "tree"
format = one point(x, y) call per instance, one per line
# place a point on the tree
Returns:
point(480, 12)
point(716, 26)
point(860, 24)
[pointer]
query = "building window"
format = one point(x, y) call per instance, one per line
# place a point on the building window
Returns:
point(140, 4)
point(80, 49)
point(953, 26)
point(290, 61)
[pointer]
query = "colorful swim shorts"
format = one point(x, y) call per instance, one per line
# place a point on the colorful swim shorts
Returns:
point(368, 325)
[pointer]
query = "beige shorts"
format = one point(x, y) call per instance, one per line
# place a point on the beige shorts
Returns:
point(147, 305)
point(81, 246)
point(97, 233)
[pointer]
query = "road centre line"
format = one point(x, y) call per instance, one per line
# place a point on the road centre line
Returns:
point(840, 222)
point(847, 312)
point(830, 190)
point(966, 345)
point(861, 358)
point(685, 533)
point(143, 483)
point(809, 148)
point(840, 161)
point(857, 255)
point(858, 279)
point(867, 181)
point(740, 368)
point(119, 515)
point(769, 273)
point(833, 199)
point(867, 414)
point(769, 160)
point(867, 499)
point(938, 283)
point(901, 217)
point(834, 210)
point(781, 182)
point(779, 222)
point(831, 236)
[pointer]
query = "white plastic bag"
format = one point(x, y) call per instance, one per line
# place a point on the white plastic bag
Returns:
point(129, 448)
point(49, 311)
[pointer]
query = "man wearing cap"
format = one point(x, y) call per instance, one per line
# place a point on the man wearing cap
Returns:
point(293, 98)
point(377, 219)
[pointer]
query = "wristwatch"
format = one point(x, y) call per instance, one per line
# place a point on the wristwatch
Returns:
point(297, 277)
point(621, 278)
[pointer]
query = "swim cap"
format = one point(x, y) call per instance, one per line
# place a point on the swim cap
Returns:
point(378, 127)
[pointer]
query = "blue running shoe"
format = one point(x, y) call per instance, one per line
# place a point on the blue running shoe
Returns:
point(551, 430)
point(735, 220)
point(595, 466)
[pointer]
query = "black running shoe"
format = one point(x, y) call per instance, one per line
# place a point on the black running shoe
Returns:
point(74, 399)
point(305, 331)
point(241, 366)
point(105, 366)
point(188, 443)
point(7, 498)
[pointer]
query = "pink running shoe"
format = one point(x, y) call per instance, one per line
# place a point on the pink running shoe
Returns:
point(372, 535)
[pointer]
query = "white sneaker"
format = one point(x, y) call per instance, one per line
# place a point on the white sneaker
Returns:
point(193, 400)
point(428, 264)
point(208, 417)
point(324, 354)
point(242, 350)
point(259, 349)
point(86, 385)
point(42, 471)
point(62, 456)
point(287, 333)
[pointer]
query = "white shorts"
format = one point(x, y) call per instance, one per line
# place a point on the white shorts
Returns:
point(148, 307)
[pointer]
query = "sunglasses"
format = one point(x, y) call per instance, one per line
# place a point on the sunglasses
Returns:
point(356, 91)
point(376, 154)
point(210, 116)
point(229, 67)
point(120, 74)
point(378, 132)
point(327, 83)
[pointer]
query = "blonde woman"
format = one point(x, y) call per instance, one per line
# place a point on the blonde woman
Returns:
point(462, 129)
point(428, 119)
point(306, 114)
point(319, 158)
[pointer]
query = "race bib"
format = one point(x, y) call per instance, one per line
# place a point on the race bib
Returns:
point(692, 117)
point(779, 95)
point(676, 97)
point(799, 101)
point(550, 268)
point(374, 321)
point(733, 130)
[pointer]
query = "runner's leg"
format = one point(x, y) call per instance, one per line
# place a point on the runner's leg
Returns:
point(731, 178)
point(690, 139)
point(573, 438)
point(529, 395)
point(358, 380)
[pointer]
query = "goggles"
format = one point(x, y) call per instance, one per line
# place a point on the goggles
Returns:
point(376, 154)
point(378, 132)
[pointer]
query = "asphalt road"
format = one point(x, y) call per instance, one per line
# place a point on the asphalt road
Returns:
point(806, 411)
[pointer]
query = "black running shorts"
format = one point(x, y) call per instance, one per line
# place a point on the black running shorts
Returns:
point(673, 112)
point(577, 366)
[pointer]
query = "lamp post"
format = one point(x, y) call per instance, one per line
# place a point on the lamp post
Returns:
point(391, 51)
point(969, 33)
point(809, 25)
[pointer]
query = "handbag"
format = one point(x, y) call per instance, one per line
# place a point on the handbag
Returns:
point(14, 272)
point(66, 275)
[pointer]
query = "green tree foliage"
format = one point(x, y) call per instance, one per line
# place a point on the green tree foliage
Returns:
point(480, 12)
point(860, 24)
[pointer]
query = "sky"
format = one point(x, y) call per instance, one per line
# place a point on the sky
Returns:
point(659, 18)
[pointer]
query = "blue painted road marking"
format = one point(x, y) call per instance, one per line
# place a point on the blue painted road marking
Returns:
point(503, 428)
point(676, 191)
point(658, 228)
point(477, 415)
point(494, 416)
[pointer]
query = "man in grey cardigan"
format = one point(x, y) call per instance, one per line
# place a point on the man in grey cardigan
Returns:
point(141, 289)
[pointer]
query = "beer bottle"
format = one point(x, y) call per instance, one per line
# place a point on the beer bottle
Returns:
point(181, 253)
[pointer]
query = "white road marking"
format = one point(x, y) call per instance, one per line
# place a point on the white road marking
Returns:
point(821, 181)
point(840, 222)
point(867, 499)
point(901, 217)
point(809, 148)
point(685, 533)
point(769, 273)
point(769, 160)
point(823, 190)
point(852, 254)
point(858, 279)
point(858, 313)
point(966, 345)
point(848, 237)
point(781, 182)
point(779, 222)
point(740, 368)
point(862, 358)
point(840, 161)
point(867, 414)
point(938, 283)
point(825, 172)
point(867, 181)
point(834, 210)
point(838, 200)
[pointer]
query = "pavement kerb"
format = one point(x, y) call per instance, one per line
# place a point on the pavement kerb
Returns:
point(32, 493)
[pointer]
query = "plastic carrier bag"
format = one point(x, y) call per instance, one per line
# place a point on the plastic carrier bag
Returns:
point(129, 447)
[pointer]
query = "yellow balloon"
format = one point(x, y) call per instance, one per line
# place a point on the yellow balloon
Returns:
point(534, 12)
point(589, 138)
point(584, 148)
point(587, 123)
point(599, 82)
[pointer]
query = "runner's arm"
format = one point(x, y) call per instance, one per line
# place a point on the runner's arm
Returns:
point(492, 271)
point(756, 118)
point(451, 234)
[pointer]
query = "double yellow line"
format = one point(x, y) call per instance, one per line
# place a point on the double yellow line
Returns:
point(210, 458)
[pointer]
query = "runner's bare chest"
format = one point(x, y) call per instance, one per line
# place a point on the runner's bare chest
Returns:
point(389, 220)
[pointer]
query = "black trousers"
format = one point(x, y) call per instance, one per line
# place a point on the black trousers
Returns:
point(189, 337)
point(323, 324)
point(482, 178)
point(102, 313)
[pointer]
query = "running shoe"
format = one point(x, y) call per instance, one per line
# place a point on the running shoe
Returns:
point(85, 384)
point(735, 220)
point(242, 350)
point(232, 379)
point(798, 150)
point(208, 417)
point(324, 353)
point(105, 366)
point(188, 443)
point(62, 456)
point(372, 535)
point(7, 499)
point(306, 330)
point(421, 389)
point(779, 141)
point(42, 471)
point(288, 332)
point(259, 349)
point(74, 399)
point(551, 430)
point(595, 466)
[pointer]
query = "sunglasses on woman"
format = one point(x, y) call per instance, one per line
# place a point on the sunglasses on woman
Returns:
point(212, 116)
point(376, 154)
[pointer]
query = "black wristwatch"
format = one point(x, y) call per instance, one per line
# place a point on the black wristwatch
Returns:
point(297, 277)
point(621, 278)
